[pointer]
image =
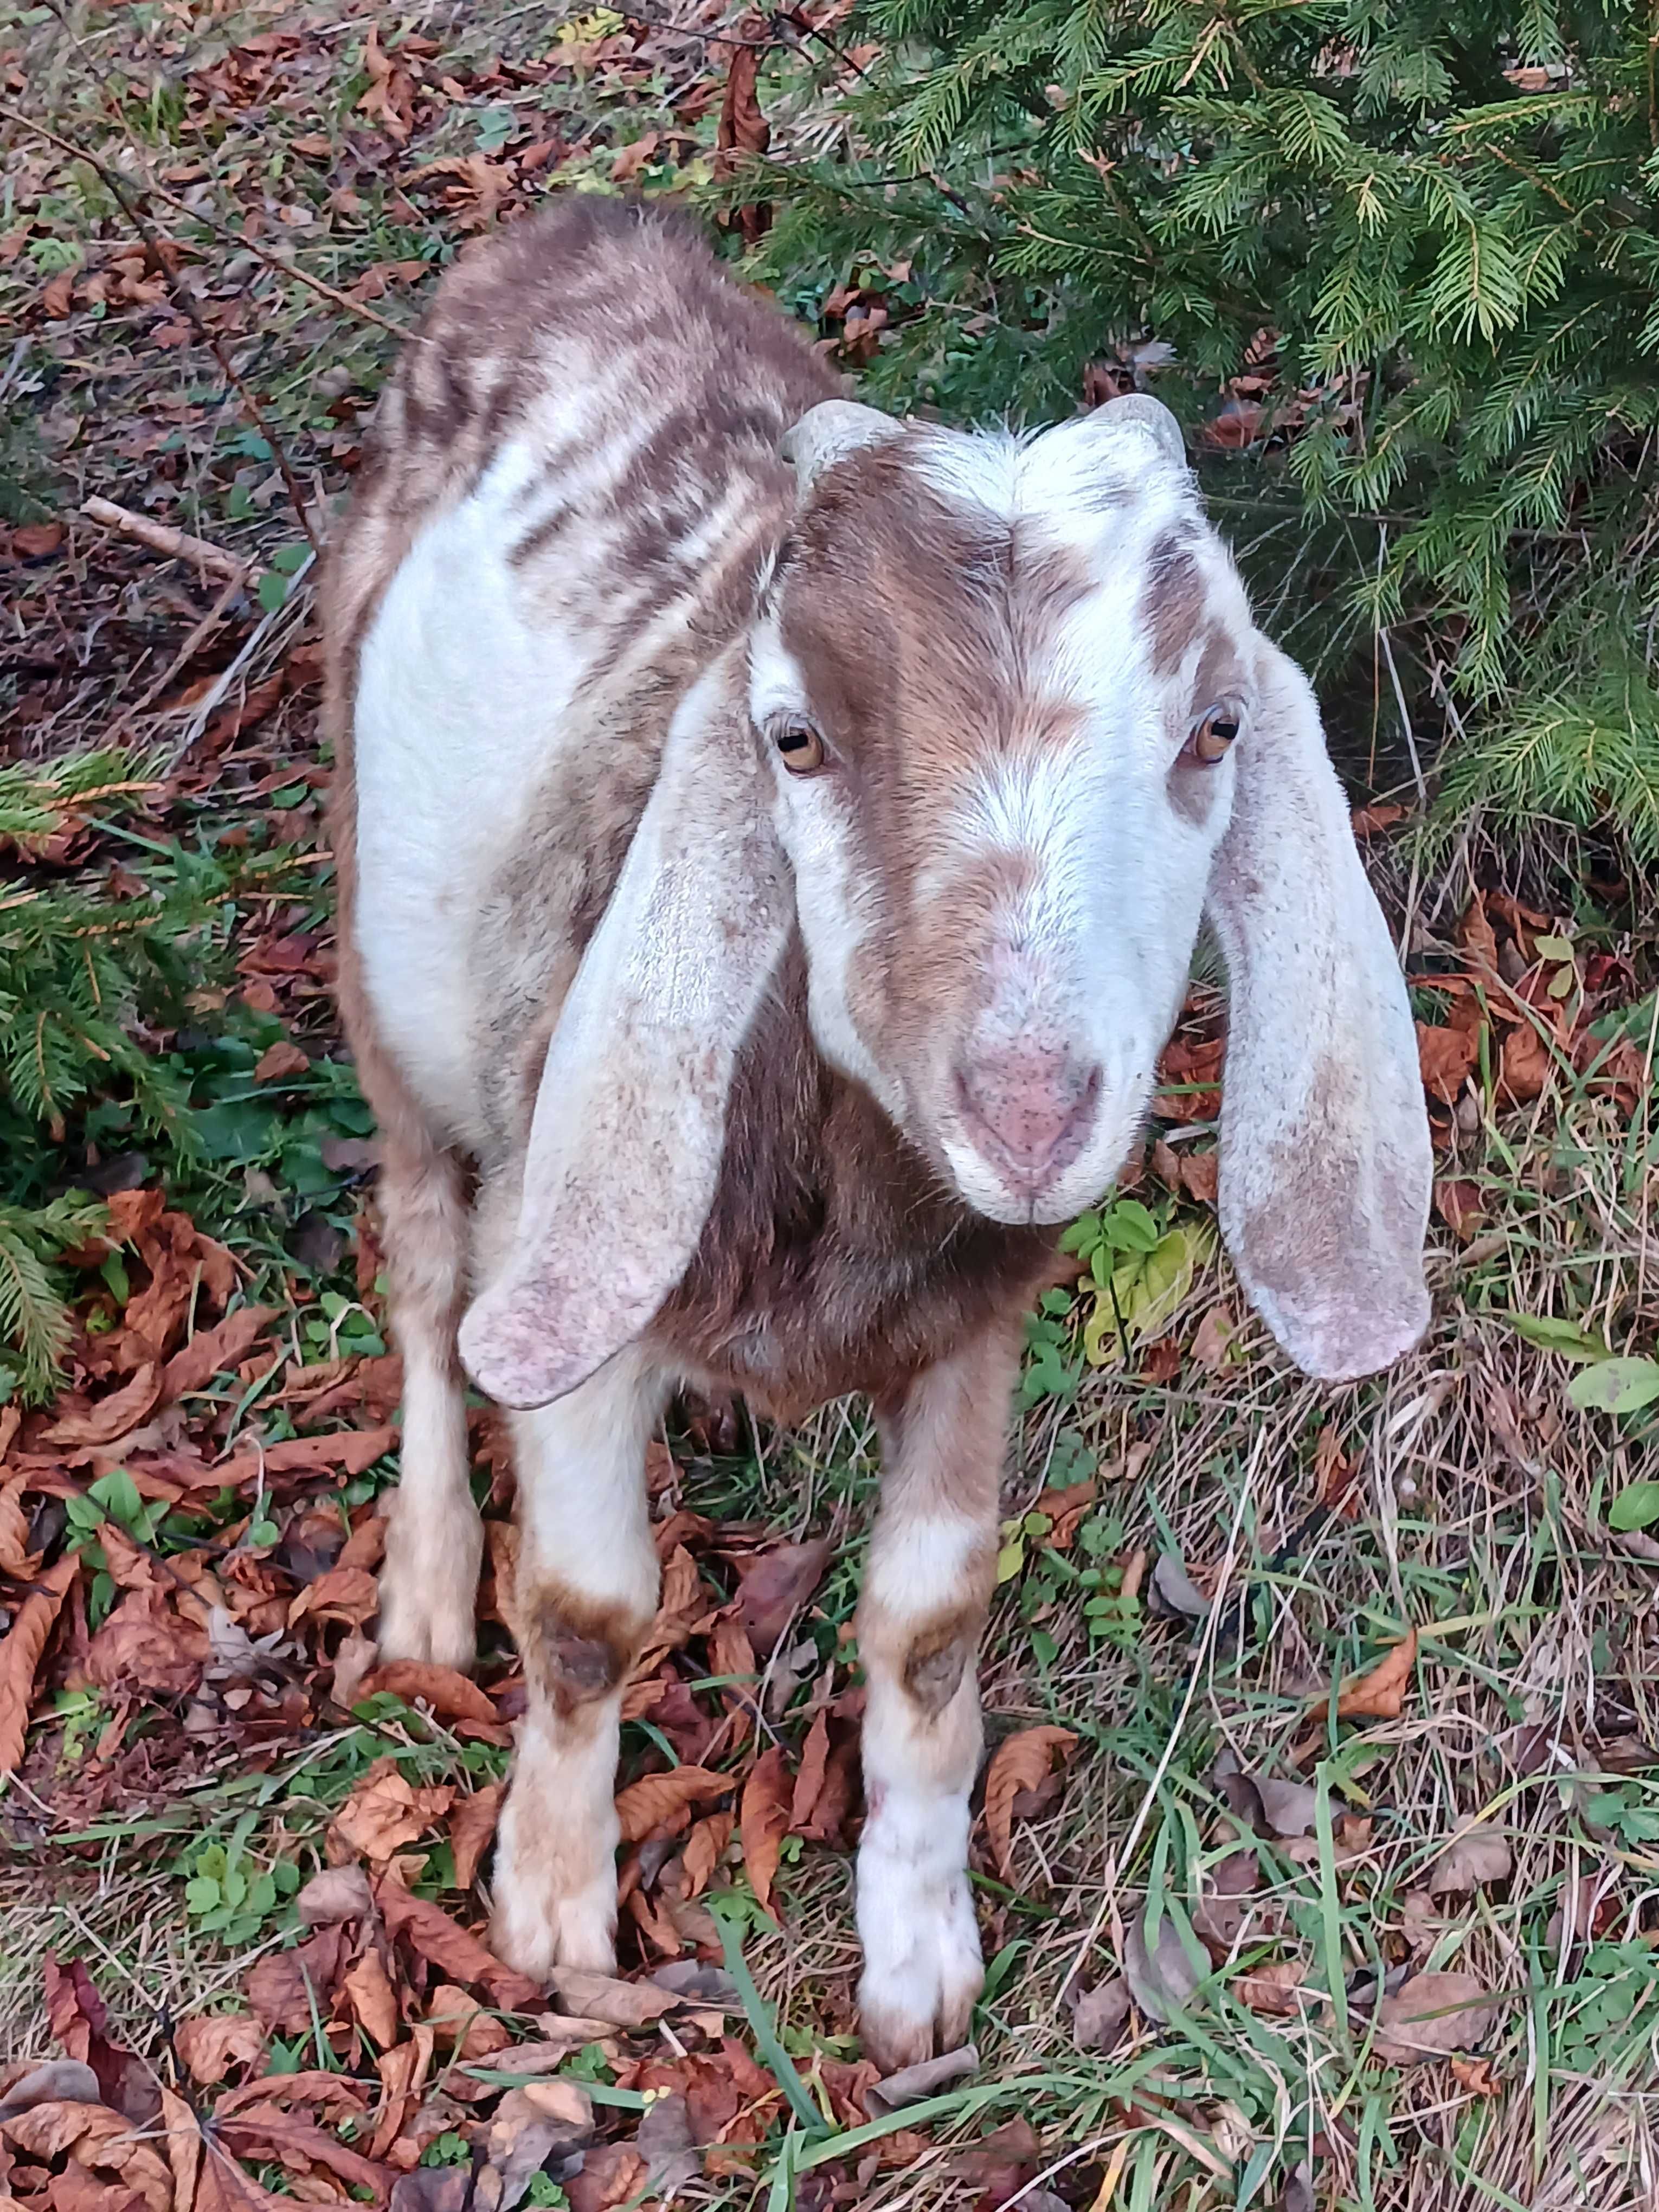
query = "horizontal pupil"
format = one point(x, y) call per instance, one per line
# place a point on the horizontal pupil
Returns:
point(792, 741)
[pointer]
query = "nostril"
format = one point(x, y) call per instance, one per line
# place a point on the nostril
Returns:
point(1032, 1112)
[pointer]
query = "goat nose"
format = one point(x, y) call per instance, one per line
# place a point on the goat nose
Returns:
point(1031, 1111)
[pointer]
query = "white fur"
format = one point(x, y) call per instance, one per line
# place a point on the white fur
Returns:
point(443, 759)
point(915, 1914)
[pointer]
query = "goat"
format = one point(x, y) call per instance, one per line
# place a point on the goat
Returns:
point(772, 838)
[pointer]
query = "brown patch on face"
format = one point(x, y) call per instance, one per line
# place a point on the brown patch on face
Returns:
point(1173, 601)
point(1194, 784)
point(939, 1657)
point(924, 630)
point(576, 1652)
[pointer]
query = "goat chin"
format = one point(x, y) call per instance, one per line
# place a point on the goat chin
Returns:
point(664, 754)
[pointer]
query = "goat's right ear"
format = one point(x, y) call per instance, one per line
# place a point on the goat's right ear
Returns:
point(629, 1125)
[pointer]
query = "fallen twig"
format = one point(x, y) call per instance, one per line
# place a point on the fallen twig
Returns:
point(172, 544)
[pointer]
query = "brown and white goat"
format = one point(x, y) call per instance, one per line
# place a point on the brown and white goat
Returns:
point(772, 839)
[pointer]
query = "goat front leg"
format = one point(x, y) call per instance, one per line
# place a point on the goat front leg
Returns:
point(585, 1598)
point(926, 1590)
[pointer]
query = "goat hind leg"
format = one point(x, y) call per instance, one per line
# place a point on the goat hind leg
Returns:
point(434, 1540)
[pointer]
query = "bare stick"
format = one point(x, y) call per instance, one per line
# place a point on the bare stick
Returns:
point(161, 538)
point(183, 291)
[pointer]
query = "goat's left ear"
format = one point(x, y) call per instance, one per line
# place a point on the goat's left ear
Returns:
point(1325, 1159)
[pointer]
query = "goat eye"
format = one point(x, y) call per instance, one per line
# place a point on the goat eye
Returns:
point(800, 748)
point(1212, 733)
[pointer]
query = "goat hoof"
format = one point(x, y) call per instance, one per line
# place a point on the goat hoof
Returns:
point(533, 1933)
point(421, 1625)
point(922, 1973)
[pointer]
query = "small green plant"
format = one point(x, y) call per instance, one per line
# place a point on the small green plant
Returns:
point(543, 2190)
point(1609, 2008)
point(1627, 1812)
point(1140, 1270)
point(228, 1894)
point(114, 1496)
point(1624, 1388)
point(449, 2149)
point(341, 1329)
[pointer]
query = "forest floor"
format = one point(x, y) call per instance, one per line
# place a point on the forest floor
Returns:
point(1317, 1854)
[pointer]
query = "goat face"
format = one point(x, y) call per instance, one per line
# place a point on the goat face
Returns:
point(1001, 680)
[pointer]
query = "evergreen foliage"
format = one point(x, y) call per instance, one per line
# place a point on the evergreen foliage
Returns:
point(79, 966)
point(1431, 225)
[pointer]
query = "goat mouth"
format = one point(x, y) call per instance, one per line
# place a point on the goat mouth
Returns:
point(1029, 1143)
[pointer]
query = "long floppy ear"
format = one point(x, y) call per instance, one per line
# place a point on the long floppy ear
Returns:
point(629, 1123)
point(1325, 1158)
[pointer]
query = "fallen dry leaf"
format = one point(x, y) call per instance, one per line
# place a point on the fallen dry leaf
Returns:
point(145, 1644)
point(764, 1820)
point(19, 1655)
point(450, 1695)
point(471, 1829)
point(1163, 1980)
point(283, 1058)
point(210, 2043)
point(97, 2139)
point(1525, 1065)
point(1289, 1807)
point(1476, 2076)
point(460, 2023)
point(259, 2130)
point(1445, 1057)
point(16, 1560)
point(704, 1848)
point(601, 1996)
point(337, 1894)
point(1272, 1987)
point(112, 1416)
point(777, 1585)
point(646, 1804)
point(55, 2080)
point(1380, 1694)
point(1433, 2014)
point(1102, 2015)
point(910, 2084)
point(287, 1989)
point(1221, 1914)
point(373, 2000)
point(1020, 1762)
point(1213, 1347)
point(385, 1812)
point(216, 1351)
point(1479, 1855)
point(449, 1946)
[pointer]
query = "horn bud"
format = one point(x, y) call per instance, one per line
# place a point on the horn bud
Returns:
point(827, 433)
